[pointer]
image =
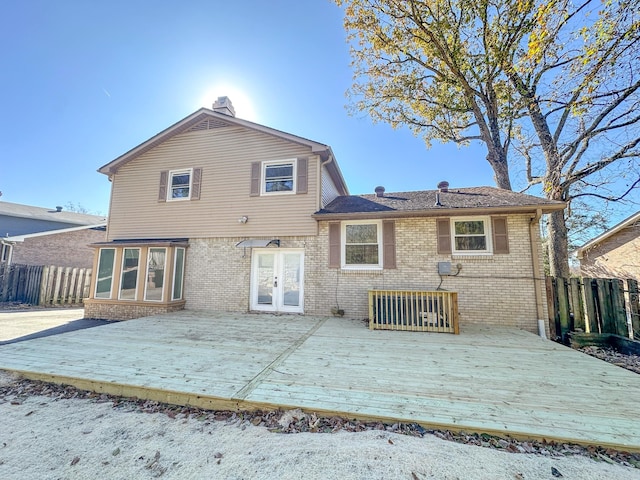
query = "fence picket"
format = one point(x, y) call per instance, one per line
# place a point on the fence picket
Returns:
point(634, 306)
point(597, 305)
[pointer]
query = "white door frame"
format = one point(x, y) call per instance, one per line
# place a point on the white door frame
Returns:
point(278, 281)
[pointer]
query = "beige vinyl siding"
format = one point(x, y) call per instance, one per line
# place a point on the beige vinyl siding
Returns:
point(225, 156)
point(329, 190)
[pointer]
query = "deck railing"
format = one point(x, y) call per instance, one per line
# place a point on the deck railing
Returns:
point(413, 310)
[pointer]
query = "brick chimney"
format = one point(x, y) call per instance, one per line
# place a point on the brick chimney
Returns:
point(223, 105)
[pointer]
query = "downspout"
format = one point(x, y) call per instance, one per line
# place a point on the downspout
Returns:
point(323, 163)
point(537, 274)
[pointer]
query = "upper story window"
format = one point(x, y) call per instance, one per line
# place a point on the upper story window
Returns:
point(471, 235)
point(176, 185)
point(179, 185)
point(362, 244)
point(279, 177)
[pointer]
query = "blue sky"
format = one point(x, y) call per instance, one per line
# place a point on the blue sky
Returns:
point(83, 82)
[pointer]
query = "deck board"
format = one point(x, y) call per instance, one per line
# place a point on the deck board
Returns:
point(485, 379)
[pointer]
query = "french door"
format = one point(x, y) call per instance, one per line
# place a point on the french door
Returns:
point(277, 280)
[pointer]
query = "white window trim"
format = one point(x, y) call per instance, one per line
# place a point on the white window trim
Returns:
point(113, 267)
point(170, 176)
point(263, 176)
point(135, 295)
point(487, 235)
point(146, 274)
point(173, 281)
point(343, 245)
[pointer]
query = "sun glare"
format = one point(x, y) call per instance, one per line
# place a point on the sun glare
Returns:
point(241, 101)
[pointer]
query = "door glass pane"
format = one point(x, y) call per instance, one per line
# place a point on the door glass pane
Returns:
point(129, 277)
point(155, 274)
point(178, 274)
point(291, 279)
point(265, 279)
point(105, 273)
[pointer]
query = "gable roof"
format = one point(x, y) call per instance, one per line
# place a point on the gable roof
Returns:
point(205, 119)
point(49, 214)
point(627, 222)
point(459, 201)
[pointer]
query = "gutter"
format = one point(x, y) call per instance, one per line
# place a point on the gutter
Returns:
point(537, 274)
point(442, 212)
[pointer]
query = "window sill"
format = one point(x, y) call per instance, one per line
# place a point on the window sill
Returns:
point(473, 257)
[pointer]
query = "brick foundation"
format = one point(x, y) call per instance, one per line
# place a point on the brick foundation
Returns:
point(110, 310)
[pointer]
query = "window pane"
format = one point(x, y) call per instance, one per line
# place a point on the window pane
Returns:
point(279, 171)
point(471, 243)
point(278, 178)
point(367, 233)
point(129, 277)
point(279, 186)
point(180, 185)
point(361, 254)
point(155, 274)
point(475, 227)
point(178, 274)
point(105, 273)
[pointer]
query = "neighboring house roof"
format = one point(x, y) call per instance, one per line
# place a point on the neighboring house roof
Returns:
point(627, 222)
point(471, 200)
point(30, 219)
point(205, 118)
point(39, 213)
point(22, 238)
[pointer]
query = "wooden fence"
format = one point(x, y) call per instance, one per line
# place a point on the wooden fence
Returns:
point(413, 310)
point(44, 285)
point(593, 305)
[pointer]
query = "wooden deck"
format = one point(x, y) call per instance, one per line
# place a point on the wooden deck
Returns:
point(506, 382)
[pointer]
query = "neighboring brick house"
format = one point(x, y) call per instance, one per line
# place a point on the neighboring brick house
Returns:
point(41, 236)
point(220, 213)
point(614, 253)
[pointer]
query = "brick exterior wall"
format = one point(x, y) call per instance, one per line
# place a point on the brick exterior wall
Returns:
point(616, 257)
point(492, 290)
point(123, 311)
point(68, 249)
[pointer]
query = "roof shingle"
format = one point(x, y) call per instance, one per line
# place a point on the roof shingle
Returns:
point(424, 201)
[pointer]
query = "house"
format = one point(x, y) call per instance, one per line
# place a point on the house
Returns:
point(614, 253)
point(42, 236)
point(220, 213)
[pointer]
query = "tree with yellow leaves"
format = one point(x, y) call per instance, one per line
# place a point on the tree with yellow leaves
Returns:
point(552, 84)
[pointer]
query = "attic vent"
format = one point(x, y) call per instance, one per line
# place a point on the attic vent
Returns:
point(208, 124)
point(443, 186)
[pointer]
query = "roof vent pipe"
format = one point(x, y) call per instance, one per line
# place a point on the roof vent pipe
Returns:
point(438, 204)
point(379, 191)
point(443, 186)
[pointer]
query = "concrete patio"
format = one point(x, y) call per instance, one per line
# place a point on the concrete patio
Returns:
point(500, 381)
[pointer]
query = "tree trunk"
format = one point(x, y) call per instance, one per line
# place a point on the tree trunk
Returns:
point(498, 161)
point(558, 249)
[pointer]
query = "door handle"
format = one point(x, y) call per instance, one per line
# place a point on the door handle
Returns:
point(275, 281)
